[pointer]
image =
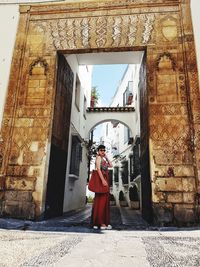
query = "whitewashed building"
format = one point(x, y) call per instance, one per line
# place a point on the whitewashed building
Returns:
point(122, 143)
point(75, 186)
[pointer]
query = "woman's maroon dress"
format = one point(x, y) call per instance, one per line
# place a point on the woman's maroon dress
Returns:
point(101, 205)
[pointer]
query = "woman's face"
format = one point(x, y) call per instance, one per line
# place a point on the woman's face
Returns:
point(102, 151)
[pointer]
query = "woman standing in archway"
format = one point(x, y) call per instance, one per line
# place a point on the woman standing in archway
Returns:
point(101, 205)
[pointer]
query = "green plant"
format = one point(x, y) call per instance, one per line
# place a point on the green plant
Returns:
point(94, 96)
point(90, 199)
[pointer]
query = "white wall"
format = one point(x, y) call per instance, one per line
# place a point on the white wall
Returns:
point(131, 74)
point(117, 134)
point(195, 7)
point(9, 17)
point(75, 189)
point(85, 74)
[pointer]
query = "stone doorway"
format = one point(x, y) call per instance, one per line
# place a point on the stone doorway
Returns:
point(144, 145)
point(59, 140)
point(164, 30)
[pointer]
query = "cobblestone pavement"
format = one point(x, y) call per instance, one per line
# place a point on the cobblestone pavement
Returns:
point(106, 248)
point(169, 250)
point(70, 241)
point(21, 248)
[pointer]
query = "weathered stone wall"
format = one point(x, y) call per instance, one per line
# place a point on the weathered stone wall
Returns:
point(163, 29)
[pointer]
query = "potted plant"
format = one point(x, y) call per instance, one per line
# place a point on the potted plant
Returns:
point(94, 97)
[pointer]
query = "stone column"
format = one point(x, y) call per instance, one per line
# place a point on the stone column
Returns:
point(172, 71)
point(27, 122)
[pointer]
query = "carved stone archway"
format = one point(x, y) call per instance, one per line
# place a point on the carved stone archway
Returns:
point(164, 30)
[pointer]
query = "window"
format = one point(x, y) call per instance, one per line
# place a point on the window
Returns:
point(110, 175)
point(131, 168)
point(128, 95)
point(125, 97)
point(130, 86)
point(135, 162)
point(127, 134)
point(77, 93)
point(116, 174)
point(124, 172)
point(76, 155)
point(84, 107)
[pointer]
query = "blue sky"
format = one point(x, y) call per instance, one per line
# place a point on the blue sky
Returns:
point(106, 78)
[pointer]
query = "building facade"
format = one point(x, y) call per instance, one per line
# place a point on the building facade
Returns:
point(123, 143)
point(169, 98)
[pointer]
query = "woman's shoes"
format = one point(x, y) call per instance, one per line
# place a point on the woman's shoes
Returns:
point(109, 227)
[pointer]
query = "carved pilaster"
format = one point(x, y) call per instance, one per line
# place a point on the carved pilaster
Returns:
point(193, 94)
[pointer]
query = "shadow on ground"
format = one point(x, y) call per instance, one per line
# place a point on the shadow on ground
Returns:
point(79, 221)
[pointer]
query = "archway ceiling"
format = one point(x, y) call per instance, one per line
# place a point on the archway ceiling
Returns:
point(133, 57)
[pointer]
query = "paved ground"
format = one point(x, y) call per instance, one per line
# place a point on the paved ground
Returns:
point(69, 241)
point(121, 218)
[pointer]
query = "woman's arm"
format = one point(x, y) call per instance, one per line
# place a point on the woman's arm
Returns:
point(109, 162)
point(98, 167)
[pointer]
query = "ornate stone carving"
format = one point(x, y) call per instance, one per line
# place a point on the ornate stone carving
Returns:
point(167, 89)
point(69, 34)
point(40, 62)
point(117, 28)
point(132, 30)
point(168, 109)
point(169, 28)
point(79, 33)
point(101, 30)
point(148, 27)
point(85, 32)
point(166, 56)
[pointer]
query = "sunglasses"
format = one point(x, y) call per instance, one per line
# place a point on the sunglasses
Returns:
point(102, 150)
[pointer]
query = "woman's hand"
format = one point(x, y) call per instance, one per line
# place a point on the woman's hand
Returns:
point(109, 162)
